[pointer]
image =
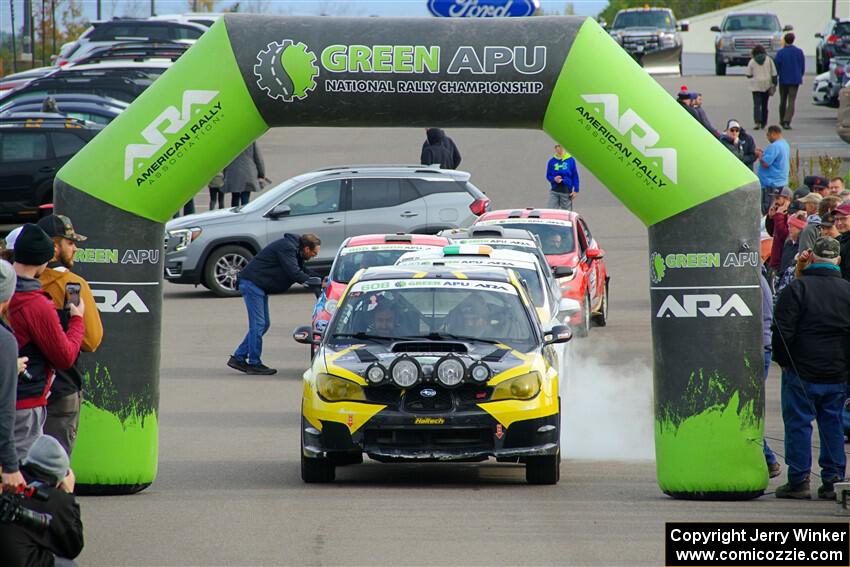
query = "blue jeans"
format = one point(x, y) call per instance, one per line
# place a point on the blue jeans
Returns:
point(803, 402)
point(257, 303)
point(769, 457)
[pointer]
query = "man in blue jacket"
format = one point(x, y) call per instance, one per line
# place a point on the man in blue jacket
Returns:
point(562, 174)
point(791, 64)
point(273, 270)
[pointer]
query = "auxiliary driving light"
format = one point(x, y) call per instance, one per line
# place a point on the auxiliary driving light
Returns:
point(480, 372)
point(450, 371)
point(405, 372)
point(376, 373)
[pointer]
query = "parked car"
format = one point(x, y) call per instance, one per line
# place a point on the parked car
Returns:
point(206, 19)
point(336, 203)
point(740, 32)
point(834, 41)
point(843, 122)
point(433, 364)
point(826, 85)
point(573, 254)
point(135, 51)
point(121, 30)
point(651, 36)
point(92, 108)
point(123, 80)
point(16, 80)
point(33, 147)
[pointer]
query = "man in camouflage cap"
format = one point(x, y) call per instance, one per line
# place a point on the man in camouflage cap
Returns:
point(811, 342)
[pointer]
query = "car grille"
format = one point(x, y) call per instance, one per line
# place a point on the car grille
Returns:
point(646, 41)
point(747, 43)
point(422, 437)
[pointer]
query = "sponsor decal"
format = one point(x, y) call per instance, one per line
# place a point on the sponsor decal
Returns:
point(497, 241)
point(115, 256)
point(639, 151)
point(108, 301)
point(429, 421)
point(553, 222)
point(658, 264)
point(434, 283)
point(350, 420)
point(500, 432)
point(483, 8)
point(289, 71)
point(171, 135)
point(487, 262)
point(706, 305)
point(383, 248)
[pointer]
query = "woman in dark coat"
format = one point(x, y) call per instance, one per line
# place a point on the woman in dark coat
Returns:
point(243, 175)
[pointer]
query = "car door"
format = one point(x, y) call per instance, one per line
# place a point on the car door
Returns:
point(25, 165)
point(315, 208)
point(384, 205)
point(593, 267)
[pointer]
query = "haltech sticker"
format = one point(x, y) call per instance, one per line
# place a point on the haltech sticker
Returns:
point(429, 421)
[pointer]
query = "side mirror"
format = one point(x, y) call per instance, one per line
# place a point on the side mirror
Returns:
point(684, 26)
point(715, 29)
point(279, 211)
point(557, 334)
point(568, 306)
point(304, 335)
point(562, 271)
point(819, 35)
point(594, 253)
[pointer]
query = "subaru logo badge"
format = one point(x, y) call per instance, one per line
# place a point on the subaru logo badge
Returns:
point(428, 393)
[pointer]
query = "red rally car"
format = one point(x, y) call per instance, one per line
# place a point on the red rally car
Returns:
point(573, 254)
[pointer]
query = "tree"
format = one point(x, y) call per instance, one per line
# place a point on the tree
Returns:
point(201, 5)
point(62, 19)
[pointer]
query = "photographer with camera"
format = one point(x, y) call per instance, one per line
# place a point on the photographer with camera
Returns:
point(42, 525)
point(39, 335)
point(10, 367)
point(66, 288)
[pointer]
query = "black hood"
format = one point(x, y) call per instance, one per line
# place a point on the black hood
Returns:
point(435, 135)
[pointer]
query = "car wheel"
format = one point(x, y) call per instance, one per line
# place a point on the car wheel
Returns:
point(584, 326)
point(222, 269)
point(601, 319)
point(545, 469)
point(315, 470)
point(719, 68)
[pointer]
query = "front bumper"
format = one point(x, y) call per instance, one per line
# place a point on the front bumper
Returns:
point(471, 435)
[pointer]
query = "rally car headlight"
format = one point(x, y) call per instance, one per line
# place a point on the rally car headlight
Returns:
point(405, 372)
point(522, 387)
point(184, 237)
point(376, 373)
point(331, 306)
point(450, 371)
point(336, 389)
point(480, 372)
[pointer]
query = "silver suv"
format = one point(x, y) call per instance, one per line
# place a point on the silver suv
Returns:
point(335, 203)
point(740, 32)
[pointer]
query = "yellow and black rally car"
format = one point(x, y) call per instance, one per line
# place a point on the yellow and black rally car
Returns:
point(430, 364)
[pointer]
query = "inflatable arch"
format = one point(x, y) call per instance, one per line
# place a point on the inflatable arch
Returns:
point(565, 75)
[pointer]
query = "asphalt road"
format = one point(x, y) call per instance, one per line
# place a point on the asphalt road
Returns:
point(229, 491)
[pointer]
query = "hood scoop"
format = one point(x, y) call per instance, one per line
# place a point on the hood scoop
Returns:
point(429, 346)
point(365, 356)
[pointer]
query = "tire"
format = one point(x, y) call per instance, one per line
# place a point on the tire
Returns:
point(545, 469)
point(317, 470)
point(719, 68)
point(584, 327)
point(222, 268)
point(601, 319)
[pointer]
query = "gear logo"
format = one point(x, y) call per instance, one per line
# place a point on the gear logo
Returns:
point(656, 267)
point(286, 70)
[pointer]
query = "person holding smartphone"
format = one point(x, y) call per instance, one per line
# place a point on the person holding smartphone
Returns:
point(67, 289)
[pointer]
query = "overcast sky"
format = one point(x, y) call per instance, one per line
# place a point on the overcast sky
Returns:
point(294, 7)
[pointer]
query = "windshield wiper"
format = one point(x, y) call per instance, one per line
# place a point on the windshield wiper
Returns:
point(362, 335)
point(437, 336)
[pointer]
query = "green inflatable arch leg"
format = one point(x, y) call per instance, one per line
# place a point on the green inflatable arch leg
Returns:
point(250, 73)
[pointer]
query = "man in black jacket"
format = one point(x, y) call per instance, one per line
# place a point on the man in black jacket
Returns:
point(811, 342)
point(273, 270)
point(46, 465)
point(439, 148)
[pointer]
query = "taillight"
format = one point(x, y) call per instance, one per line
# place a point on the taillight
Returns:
point(839, 70)
point(832, 38)
point(479, 206)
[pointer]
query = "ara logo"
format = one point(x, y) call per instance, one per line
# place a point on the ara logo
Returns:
point(107, 301)
point(154, 133)
point(643, 136)
point(707, 305)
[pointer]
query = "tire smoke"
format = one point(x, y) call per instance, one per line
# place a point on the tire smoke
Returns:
point(606, 411)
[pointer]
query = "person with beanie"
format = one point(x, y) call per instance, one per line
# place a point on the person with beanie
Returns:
point(10, 367)
point(45, 465)
point(562, 173)
point(39, 334)
point(63, 405)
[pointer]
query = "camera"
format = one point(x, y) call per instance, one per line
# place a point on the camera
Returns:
point(12, 508)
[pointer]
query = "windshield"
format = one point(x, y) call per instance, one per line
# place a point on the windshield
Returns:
point(352, 259)
point(842, 29)
point(755, 22)
point(436, 308)
point(554, 238)
point(271, 197)
point(644, 19)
